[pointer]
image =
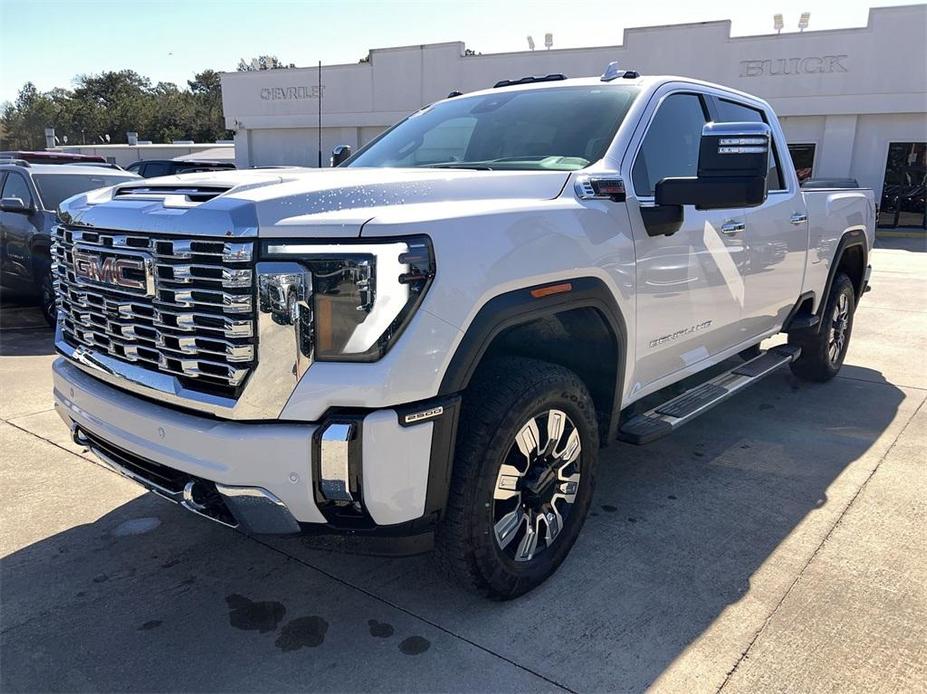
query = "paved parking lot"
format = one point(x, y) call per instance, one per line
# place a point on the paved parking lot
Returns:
point(779, 543)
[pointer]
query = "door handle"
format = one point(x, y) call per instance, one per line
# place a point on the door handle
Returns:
point(731, 228)
point(798, 218)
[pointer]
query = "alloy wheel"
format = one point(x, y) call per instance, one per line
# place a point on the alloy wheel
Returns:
point(838, 329)
point(536, 485)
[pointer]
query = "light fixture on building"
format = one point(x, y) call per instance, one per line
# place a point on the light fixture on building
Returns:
point(778, 24)
point(530, 43)
point(803, 21)
point(548, 41)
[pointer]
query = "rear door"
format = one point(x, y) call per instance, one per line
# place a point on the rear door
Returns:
point(689, 285)
point(776, 233)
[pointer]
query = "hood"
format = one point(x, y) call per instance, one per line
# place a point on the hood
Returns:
point(293, 202)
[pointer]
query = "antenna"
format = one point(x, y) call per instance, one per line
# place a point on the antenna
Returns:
point(548, 41)
point(804, 20)
point(530, 43)
point(778, 24)
point(320, 114)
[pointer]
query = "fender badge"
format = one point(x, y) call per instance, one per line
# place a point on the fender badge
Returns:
point(426, 414)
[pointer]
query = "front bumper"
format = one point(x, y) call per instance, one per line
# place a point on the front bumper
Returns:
point(266, 477)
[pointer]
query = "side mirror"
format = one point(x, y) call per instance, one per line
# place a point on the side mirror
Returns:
point(15, 205)
point(733, 161)
point(340, 153)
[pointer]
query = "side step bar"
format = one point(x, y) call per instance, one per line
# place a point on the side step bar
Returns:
point(672, 414)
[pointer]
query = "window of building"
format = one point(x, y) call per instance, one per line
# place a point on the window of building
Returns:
point(903, 192)
point(730, 112)
point(670, 147)
point(803, 160)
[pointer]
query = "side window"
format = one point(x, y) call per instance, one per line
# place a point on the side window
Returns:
point(670, 147)
point(729, 112)
point(16, 187)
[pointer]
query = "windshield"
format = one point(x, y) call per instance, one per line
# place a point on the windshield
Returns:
point(559, 129)
point(53, 188)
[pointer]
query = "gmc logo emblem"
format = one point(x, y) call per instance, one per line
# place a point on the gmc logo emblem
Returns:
point(127, 272)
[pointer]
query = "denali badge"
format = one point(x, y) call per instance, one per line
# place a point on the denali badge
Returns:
point(127, 272)
point(679, 333)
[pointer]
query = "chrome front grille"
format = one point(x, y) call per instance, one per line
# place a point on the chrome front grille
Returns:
point(196, 323)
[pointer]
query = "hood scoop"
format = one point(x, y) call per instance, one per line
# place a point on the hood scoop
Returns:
point(180, 195)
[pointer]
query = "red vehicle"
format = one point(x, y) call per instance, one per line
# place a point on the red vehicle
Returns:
point(53, 157)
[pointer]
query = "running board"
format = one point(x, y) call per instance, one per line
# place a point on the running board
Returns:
point(672, 414)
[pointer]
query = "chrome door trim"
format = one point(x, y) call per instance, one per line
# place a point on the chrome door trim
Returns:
point(732, 227)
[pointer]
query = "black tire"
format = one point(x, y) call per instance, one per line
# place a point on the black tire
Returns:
point(47, 300)
point(503, 400)
point(823, 351)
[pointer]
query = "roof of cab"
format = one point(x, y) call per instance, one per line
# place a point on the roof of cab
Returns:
point(645, 82)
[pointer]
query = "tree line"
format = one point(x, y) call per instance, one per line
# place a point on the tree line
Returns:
point(102, 108)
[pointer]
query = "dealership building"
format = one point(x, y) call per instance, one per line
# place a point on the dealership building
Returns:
point(853, 102)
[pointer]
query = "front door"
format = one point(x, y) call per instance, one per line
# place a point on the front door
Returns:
point(689, 286)
point(16, 231)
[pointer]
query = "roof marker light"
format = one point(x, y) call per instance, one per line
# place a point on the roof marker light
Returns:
point(613, 71)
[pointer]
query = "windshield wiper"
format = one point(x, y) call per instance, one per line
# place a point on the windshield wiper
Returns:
point(476, 166)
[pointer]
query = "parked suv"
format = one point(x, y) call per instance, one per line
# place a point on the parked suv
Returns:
point(433, 339)
point(152, 168)
point(29, 196)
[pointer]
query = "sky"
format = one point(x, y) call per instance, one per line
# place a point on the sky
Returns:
point(49, 42)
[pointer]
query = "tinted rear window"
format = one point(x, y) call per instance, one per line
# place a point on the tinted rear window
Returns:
point(55, 188)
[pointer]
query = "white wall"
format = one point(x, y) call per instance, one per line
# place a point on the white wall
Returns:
point(293, 146)
point(123, 155)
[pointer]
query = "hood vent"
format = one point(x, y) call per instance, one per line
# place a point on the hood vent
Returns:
point(190, 194)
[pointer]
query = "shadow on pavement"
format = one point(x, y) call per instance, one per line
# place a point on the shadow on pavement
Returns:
point(678, 530)
point(23, 330)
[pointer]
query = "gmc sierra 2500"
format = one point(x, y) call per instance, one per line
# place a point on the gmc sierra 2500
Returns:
point(435, 337)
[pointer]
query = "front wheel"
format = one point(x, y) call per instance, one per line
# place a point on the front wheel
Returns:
point(47, 301)
point(823, 352)
point(523, 477)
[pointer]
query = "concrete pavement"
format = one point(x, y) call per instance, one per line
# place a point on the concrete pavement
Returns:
point(777, 543)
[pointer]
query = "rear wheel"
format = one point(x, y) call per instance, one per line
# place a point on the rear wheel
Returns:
point(823, 352)
point(523, 477)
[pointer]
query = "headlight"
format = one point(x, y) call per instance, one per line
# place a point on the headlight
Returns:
point(347, 301)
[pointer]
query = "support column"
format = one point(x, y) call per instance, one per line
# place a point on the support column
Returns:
point(243, 149)
point(836, 156)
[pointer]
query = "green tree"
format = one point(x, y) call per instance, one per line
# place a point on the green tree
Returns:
point(112, 103)
point(262, 62)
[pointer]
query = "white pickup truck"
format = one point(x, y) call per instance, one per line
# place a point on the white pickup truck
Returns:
point(434, 339)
